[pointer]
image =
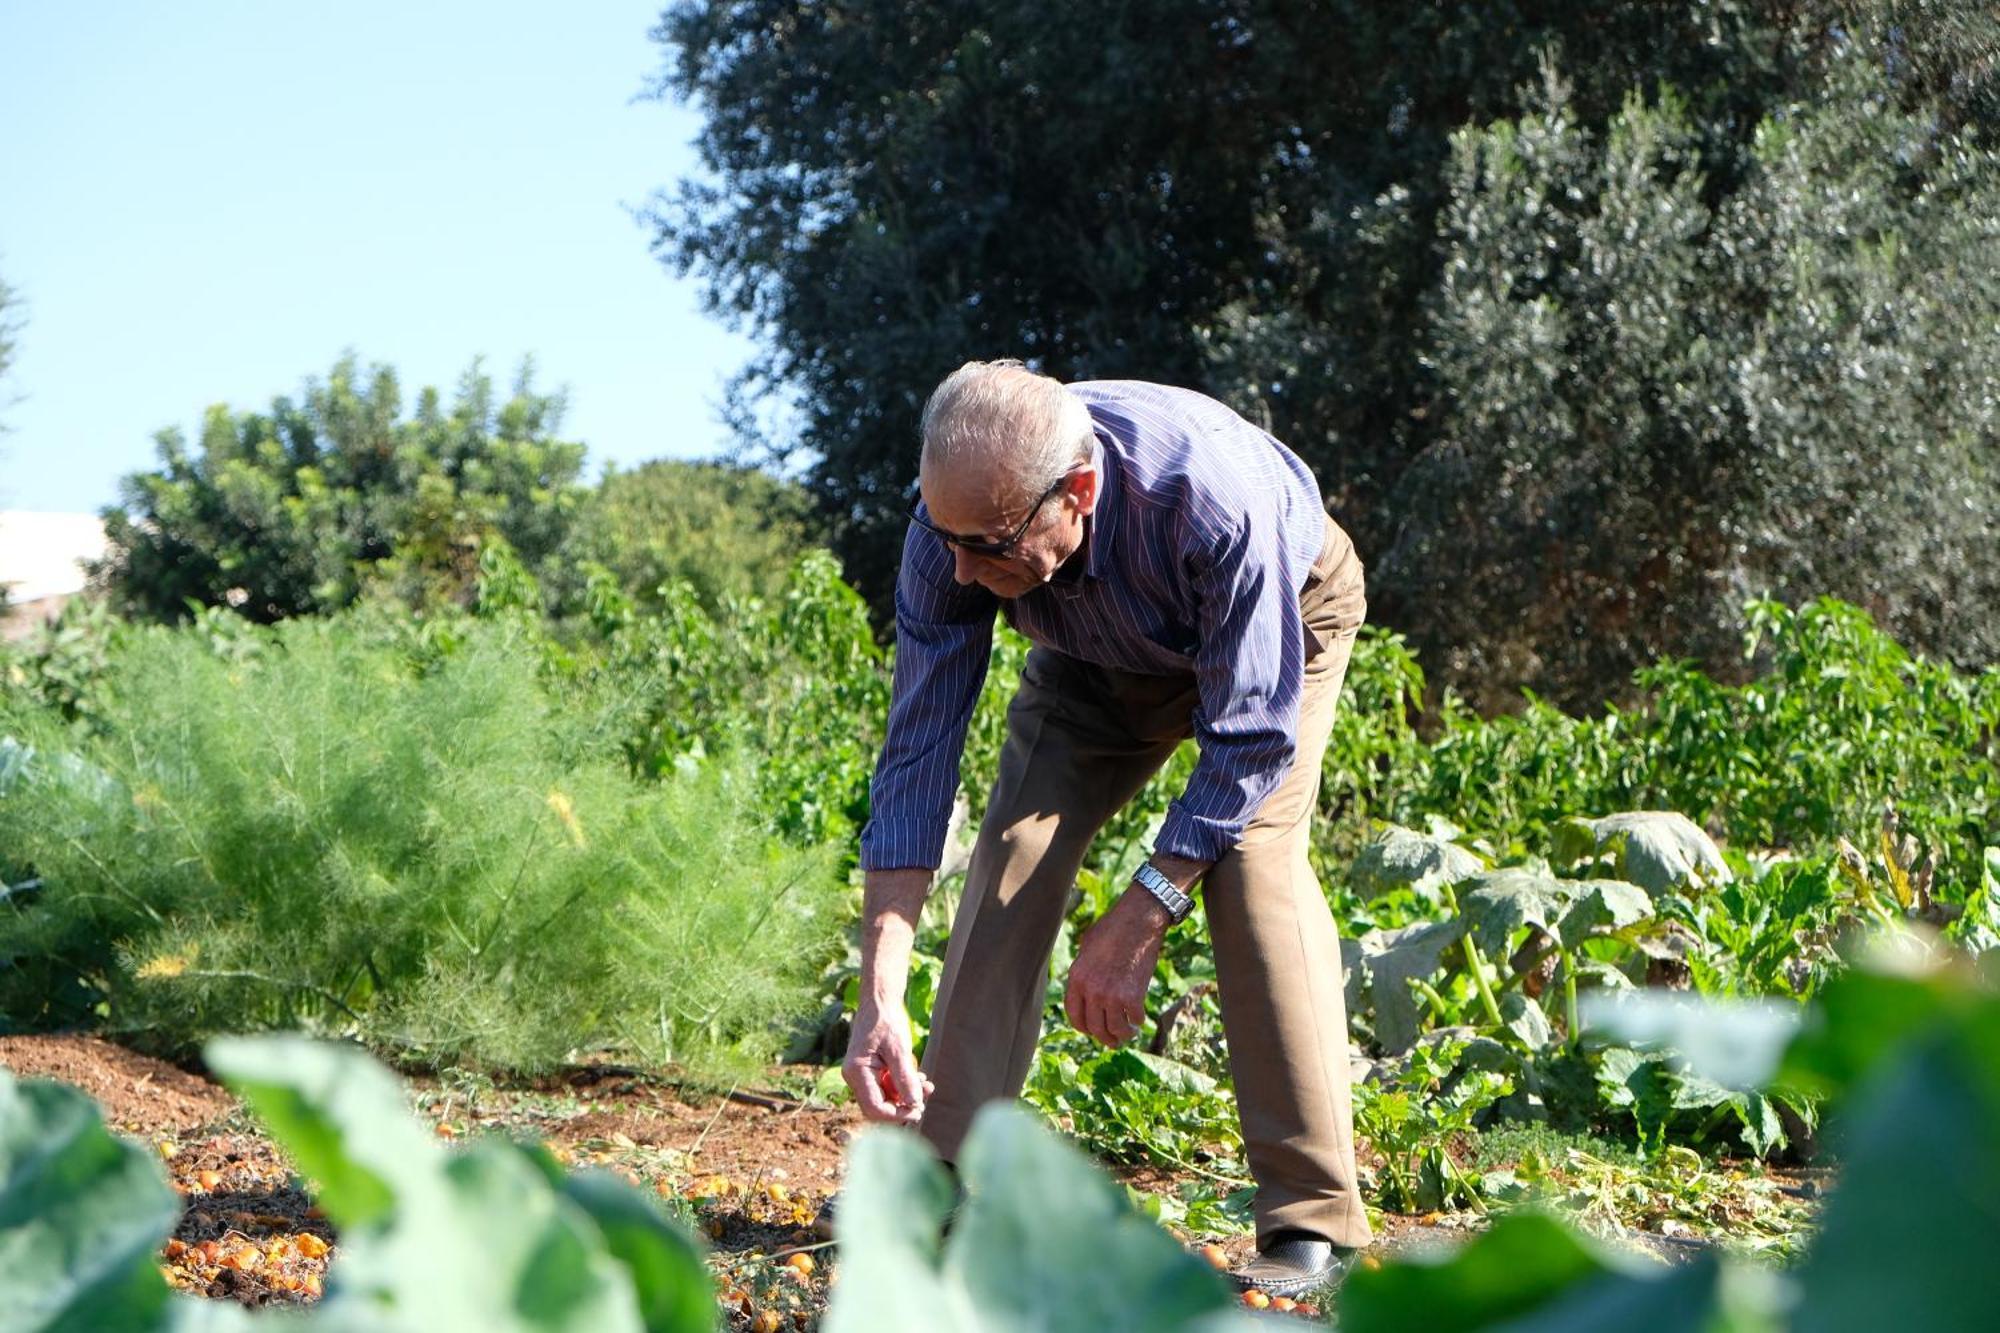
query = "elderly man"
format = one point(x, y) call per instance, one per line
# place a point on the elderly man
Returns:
point(1177, 573)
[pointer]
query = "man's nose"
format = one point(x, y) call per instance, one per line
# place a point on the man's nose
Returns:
point(964, 565)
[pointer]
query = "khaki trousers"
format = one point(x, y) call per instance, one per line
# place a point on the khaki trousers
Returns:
point(1081, 741)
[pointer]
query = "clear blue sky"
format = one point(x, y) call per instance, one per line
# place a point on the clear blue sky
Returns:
point(206, 202)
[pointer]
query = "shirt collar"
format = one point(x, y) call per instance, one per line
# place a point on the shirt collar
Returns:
point(1103, 527)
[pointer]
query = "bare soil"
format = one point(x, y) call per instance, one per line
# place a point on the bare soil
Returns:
point(138, 1094)
point(749, 1170)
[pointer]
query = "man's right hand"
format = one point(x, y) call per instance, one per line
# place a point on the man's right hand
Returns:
point(879, 1067)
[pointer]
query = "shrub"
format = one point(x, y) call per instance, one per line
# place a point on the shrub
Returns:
point(324, 834)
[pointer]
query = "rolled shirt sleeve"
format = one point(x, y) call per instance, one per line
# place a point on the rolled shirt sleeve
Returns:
point(1250, 674)
point(944, 640)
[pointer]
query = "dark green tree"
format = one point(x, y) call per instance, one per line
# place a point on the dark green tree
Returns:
point(1249, 196)
point(897, 188)
point(294, 510)
point(1653, 403)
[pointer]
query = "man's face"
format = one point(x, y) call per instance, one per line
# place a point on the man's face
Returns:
point(972, 504)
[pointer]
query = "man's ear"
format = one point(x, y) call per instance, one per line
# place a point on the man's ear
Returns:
point(1084, 489)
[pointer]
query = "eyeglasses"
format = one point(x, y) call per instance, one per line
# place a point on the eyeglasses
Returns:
point(992, 550)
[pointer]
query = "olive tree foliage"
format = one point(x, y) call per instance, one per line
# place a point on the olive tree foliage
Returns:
point(1289, 205)
point(298, 509)
point(894, 188)
point(1656, 404)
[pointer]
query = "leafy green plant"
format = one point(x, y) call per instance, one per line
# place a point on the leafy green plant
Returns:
point(1414, 1121)
point(81, 1215)
point(1041, 1241)
point(331, 835)
point(1128, 1105)
point(492, 1236)
point(424, 1232)
point(1912, 1055)
point(1663, 1097)
point(798, 684)
point(1839, 719)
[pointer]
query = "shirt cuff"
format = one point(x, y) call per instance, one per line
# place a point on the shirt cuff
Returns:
point(903, 843)
point(1194, 838)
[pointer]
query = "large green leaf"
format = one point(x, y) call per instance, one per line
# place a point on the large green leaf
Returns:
point(1864, 1017)
point(1659, 850)
point(1603, 904)
point(478, 1238)
point(1151, 1070)
point(341, 1116)
point(1525, 1020)
point(1909, 1235)
point(1404, 858)
point(81, 1216)
point(664, 1263)
point(1641, 1084)
point(893, 1204)
point(1389, 960)
point(1043, 1242)
point(1523, 1262)
point(1531, 1273)
point(1496, 904)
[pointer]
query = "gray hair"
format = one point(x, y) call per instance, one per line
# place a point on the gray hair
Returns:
point(1024, 427)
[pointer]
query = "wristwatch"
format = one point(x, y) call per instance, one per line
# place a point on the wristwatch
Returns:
point(1149, 878)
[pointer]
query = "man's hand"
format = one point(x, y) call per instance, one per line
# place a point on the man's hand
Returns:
point(880, 1069)
point(1106, 997)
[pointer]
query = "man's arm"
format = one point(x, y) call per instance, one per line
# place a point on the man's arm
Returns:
point(1250, 671)
point(880, 1067)
point(944, 637)
point(1250, 674)
point(1106, 994)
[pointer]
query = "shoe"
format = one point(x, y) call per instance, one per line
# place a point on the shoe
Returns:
point(822, 1223)
point(1294, 1264)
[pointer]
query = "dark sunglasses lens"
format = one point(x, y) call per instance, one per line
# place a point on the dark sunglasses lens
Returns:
point(970, 545)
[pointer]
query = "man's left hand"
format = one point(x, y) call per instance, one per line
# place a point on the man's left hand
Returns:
point(1114, 965)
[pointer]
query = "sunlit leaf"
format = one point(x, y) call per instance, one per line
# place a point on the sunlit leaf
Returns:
point(1404, 858)
point(1736, 1043)
point(81, 1215)
point(1389, 960)
point(1659, 850)
point(1034, 1246)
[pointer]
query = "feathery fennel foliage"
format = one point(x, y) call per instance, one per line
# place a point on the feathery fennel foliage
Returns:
point(323, 834)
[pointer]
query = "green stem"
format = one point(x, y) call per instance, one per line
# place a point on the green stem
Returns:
point(1433, 999)
point(1569, 999)
point(1477, 963)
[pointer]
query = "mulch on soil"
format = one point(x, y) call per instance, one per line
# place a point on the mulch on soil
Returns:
point(748, 1171)
point(138, 1094)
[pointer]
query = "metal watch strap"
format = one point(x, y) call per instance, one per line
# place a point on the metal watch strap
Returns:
point(1149, 878)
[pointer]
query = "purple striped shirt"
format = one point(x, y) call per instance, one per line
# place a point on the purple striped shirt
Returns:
point(1204, 532)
